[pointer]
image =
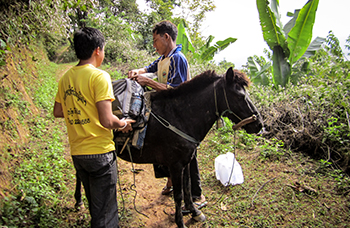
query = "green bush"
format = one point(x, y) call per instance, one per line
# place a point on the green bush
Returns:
point(313, 115)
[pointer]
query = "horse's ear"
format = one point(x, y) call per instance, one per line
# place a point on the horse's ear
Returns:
point(229, 76)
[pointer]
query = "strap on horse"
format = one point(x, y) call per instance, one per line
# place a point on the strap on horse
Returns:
point(166, 124)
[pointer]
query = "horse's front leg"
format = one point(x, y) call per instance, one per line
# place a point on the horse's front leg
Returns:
point(196, 214)
point(187, 189)
point(176, 174)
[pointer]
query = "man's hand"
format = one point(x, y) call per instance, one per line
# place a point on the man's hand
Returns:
point(110, 121)
point(145, 81)
point(57, 110)
point(128, 126)
point(142, 80)
point(134, 73)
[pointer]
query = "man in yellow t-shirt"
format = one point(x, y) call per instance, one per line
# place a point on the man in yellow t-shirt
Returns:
point(84, 100)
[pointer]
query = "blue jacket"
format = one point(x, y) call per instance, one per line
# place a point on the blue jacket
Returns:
point(178, 68)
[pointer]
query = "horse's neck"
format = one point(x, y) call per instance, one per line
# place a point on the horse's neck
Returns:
point(193, 113)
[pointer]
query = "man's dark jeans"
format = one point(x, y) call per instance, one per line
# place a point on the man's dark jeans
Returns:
point(99, 176)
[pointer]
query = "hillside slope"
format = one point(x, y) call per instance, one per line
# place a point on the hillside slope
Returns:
point(15, 101)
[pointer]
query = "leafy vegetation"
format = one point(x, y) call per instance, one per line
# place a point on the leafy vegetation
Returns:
point(40, 172)
point(281, 188)
point(206, 52)
point(316, 118)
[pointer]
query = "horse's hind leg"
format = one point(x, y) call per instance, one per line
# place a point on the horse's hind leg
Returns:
point(196, 214)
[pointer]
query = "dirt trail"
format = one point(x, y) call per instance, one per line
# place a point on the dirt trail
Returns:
point(151, 209)
point(149, 200)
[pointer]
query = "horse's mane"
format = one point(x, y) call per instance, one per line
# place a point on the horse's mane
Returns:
point(240, 78)
point(199, 82)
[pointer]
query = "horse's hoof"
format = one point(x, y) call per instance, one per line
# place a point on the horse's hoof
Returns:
point(200, 217)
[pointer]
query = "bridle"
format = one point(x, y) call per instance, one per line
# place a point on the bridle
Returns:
point(241, 122)
point(227, 104)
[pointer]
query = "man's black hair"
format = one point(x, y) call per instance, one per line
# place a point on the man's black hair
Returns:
point(86, 41)
point(166, 27)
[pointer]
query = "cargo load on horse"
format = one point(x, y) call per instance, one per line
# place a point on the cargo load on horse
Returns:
point(129, 102)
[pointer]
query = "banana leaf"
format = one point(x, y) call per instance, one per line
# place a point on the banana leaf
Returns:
point(290, 24)
point(315, 45)
point(270, 24)
point(207, 43)
point(184, 39)
point(281, 68)
point(209, 53)
point(258, 76)
point(300, 35)
point(274, 8)
point(252, 67)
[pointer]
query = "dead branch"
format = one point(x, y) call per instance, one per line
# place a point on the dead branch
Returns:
point(252, 204)
point(300, 188)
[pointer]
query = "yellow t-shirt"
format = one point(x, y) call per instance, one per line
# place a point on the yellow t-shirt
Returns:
point(78, 91)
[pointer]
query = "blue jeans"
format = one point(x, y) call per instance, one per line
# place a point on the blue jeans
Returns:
point(98, 173)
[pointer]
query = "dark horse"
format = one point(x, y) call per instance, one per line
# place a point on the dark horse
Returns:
point(192, 108)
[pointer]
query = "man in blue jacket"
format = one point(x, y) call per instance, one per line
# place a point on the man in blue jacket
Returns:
point(171, 69)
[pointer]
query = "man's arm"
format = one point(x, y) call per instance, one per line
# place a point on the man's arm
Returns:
point(57, 110)
point(144, 81)
point(110, 121)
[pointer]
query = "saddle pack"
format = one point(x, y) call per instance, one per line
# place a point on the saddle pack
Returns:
point(129, 102)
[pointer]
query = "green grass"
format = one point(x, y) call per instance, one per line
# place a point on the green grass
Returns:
point(267, 197)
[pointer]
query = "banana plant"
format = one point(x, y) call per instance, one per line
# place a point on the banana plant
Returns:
point(287, 43)
point(315, 45)
point(258, 73)
point(184, 38)
point(207, 51)
point(261, 73)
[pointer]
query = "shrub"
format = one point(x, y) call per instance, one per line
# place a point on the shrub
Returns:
point(312, 116)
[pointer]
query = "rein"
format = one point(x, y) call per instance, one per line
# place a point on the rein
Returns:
point(234, 128)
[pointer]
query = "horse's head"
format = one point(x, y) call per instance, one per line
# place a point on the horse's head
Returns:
point(237, 101)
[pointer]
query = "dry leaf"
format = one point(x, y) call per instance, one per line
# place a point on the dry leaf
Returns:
point(223, 206)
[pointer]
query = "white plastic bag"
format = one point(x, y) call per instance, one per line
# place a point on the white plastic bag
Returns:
point(223, 169)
